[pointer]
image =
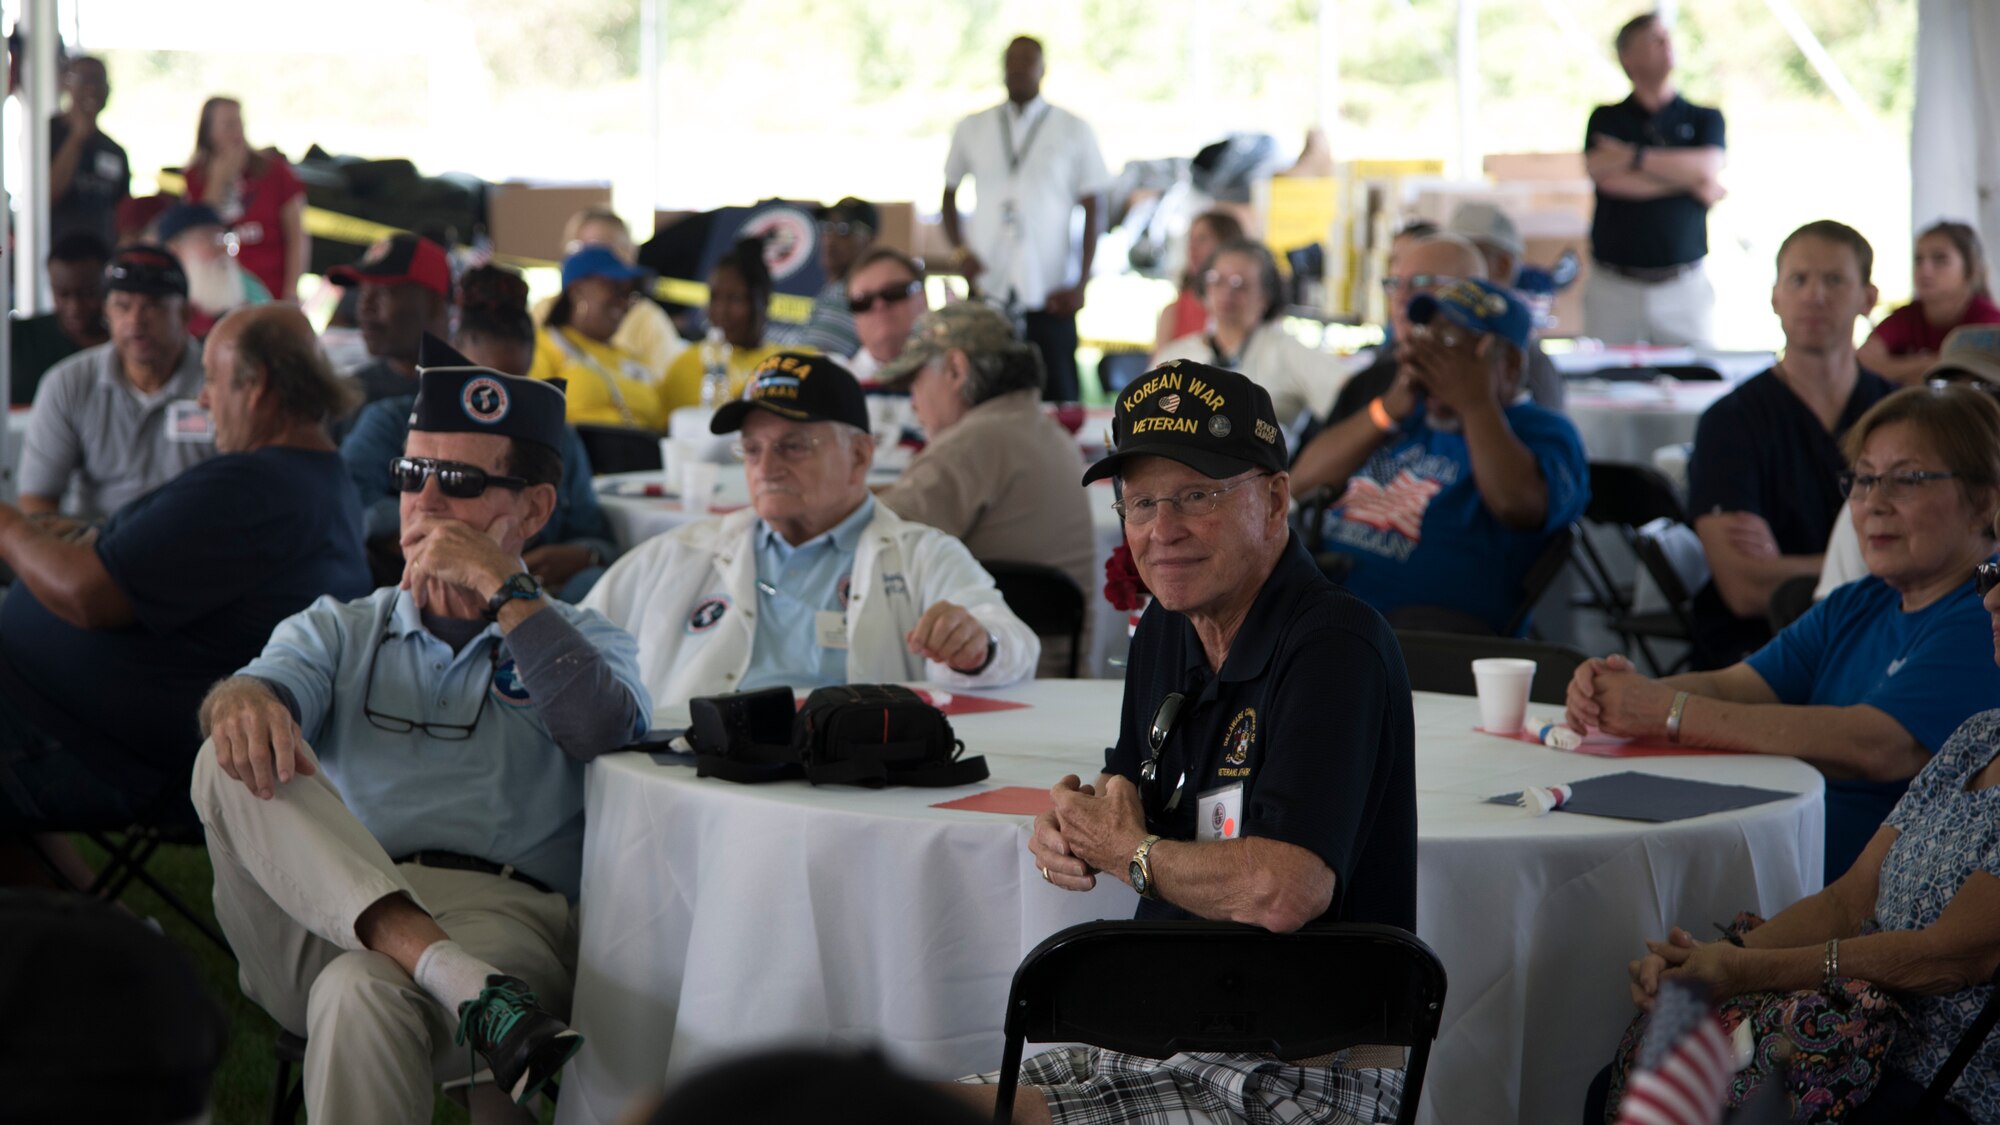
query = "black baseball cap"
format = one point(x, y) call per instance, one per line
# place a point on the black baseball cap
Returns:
point(851, 210)
point(1214, 421)
point(799, 387)
point(145, 268)
point(458, 396)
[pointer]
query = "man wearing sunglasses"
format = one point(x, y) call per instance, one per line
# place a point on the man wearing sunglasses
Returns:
point(886, 295)
point(1451, 463)
point(393, 791)
point(846, 230)
point(1265, 768)
point(815, 583)
point(107, 646)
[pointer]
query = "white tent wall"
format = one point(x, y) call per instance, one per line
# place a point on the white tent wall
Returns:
point(1955, 125)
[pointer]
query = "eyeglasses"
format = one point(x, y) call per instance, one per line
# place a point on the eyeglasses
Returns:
point(1416, 283)
point(1190, 502)
point(455, 478)
point(841, 228)
point(1894, 486)
point(445, 732)
point(1985, 576)
point(889, 295)
point(1214, 278)
point(1156, 739)
point(795, 448)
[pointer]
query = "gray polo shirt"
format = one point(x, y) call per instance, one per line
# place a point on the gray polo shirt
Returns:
point(92, 428)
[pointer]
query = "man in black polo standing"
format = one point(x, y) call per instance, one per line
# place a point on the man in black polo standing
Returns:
point(1655, 158)
point(1264, 771)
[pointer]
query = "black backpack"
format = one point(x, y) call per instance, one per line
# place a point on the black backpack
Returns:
point(870, 735)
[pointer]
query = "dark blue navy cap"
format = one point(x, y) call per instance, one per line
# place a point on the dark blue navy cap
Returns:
point(457, 396)
point(1479, 305)
point(597, 261)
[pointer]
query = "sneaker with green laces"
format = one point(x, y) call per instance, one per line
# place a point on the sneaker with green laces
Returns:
point(525, 1046)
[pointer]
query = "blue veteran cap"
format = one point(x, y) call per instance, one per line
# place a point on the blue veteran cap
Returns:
point(457, 396)
point(1478, 305)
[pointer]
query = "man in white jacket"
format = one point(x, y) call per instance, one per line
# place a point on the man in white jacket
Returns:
point(815, 584)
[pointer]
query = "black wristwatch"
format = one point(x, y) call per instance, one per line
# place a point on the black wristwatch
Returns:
point(522, 586)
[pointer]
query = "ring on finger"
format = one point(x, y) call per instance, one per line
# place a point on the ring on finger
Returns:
point(1046, 877)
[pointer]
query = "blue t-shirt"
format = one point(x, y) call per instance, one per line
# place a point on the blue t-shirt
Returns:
point(211, 561)
point(1929, 670)
point(1413, 521)
point(1946, 833)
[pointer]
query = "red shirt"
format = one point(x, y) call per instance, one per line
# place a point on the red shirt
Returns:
point(1190, 315)
point(1906, 332)
point(254, 209)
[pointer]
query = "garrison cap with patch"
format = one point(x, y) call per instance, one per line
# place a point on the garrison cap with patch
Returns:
point(973, 327)
point(1214, 421)
point(798, 387)
point(457, 396)
point(1478, 305)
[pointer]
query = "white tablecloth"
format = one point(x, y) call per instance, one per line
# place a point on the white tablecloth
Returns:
point(1628, 421)
point(720, 917)
point(1734, 367)
point(636, 517)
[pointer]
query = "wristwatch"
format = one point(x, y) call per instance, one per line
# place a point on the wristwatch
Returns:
point(522, 586)
point(1141, 871)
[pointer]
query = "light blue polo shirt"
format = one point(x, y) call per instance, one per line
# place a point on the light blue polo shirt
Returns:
point(794, 584)
point(508, 794)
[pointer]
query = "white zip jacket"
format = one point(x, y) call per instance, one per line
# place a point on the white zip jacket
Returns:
point(690, 597)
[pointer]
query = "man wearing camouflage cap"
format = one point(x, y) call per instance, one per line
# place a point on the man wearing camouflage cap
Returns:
point(1264, 771)
point(1453, 480)
point(998, 473)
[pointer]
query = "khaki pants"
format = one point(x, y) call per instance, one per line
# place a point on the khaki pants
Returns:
point(1676, 313)
point(292, 875)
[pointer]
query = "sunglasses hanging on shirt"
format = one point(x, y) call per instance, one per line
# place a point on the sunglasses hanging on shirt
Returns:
point(1156, 739)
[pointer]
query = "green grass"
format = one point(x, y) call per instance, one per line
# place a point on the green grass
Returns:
point(243, 1082)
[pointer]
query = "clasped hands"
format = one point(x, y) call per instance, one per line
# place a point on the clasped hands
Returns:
point(1087, 832)
point(1609, 695)
point(1716, 963)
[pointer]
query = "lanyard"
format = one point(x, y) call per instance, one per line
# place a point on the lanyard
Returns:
point(1007, 136)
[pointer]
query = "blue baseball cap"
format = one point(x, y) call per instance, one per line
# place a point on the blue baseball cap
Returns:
point(1479, 305)
point(597, 261)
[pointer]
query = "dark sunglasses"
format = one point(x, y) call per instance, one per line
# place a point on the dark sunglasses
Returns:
point(455, 479)
point(1985, 576)
point(888, 295)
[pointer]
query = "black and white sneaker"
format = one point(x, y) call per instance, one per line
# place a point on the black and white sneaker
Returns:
point(525, 1046)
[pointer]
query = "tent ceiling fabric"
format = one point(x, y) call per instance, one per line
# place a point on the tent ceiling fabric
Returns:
point(1954, 149)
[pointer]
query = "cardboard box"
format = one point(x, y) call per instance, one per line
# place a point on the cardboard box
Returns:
point(525, 218)
point(1505, 166)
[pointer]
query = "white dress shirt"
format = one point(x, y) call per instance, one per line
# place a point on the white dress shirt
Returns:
point(1027, 191)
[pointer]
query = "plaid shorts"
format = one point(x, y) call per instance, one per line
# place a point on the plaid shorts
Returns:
point(1090, 1086)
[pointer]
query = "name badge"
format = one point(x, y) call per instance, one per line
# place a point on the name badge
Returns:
point(1220, 813)
point(188, 422)
point(830, 628)
point(110, 166)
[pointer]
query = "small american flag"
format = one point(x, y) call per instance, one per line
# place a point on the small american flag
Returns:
point(1399, 507)
point(1684, 1065)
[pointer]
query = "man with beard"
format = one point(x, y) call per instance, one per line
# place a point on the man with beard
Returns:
point(1450, 467)
point(194, 234)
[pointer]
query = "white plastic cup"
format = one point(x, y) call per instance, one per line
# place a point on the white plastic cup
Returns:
point(698, 481)
point(669, 459)
point(1503, 692)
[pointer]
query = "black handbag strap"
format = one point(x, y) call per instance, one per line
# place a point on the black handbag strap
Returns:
point(754, 763)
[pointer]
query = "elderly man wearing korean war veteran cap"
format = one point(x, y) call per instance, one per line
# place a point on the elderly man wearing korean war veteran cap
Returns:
point(393, 790)
point(1453, 481)
point(815, 583)
point(1264, 770)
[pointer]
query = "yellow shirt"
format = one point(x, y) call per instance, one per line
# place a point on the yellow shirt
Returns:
point(683, 383)
point(647, 334)
point(592, 370)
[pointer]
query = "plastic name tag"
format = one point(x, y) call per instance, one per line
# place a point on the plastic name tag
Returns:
point(1220, 815)
point(188, 422)
point(830, 628)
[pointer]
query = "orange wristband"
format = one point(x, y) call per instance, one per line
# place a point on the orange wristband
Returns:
point(1379, 414)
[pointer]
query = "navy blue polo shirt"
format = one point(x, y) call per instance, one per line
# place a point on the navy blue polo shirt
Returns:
point(1652, 233)
point(211, 561)
point(1310, 713)
point(1760, 449)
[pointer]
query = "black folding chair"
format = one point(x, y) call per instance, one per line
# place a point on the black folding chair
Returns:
point(1300, 996)
point(1968, 1045)
point(128, 852)
point(1442, 662)
point(1628, 497)
point(1046, 600)
point(1117, 369)
point(620, 449)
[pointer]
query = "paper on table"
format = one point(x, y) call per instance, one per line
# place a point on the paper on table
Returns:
point(1013, 800)
point(1654, 799)
point(1601, 745)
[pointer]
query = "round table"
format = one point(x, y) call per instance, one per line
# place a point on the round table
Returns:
point(642, 505)
point(1628, 421)
point(718, 918)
